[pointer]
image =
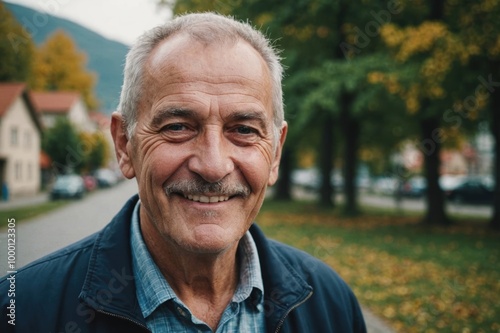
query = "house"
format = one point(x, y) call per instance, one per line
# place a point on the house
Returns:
point(51, 105)
point(20, 141)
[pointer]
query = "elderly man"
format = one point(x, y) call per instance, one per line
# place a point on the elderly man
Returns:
point(200, 126)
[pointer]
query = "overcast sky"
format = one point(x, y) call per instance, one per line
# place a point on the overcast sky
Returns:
point(121, 20)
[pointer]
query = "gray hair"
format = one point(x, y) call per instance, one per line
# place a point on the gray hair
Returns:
point(207, 28)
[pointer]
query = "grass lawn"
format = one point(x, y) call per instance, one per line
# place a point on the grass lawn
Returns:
point(24, 213)
point(418, 279)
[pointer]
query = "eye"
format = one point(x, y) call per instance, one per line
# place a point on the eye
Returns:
point(174, 127)
point(245, 130)
point(177, 132)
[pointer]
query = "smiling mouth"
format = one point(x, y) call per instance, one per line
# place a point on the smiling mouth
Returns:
point(206, 198)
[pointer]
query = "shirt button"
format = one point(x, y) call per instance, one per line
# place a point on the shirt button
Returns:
point(181, 312)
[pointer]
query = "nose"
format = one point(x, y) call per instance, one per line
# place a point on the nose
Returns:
point(211, 160)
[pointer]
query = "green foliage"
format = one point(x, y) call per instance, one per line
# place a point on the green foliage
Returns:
point(64, 146)
point(96, 150)
point(392, 70)
point(16, 48)
point(72, 151)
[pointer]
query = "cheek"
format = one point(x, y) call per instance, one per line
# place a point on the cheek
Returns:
point(157, 163)
point(256, 167)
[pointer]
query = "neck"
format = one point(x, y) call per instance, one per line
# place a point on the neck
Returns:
point(204, 282)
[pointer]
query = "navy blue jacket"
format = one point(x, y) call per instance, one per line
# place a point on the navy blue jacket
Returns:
point(89, 287)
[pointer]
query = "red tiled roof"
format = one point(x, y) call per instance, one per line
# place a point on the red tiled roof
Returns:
point(9, 91)
point(8, 94)
point(54, 101)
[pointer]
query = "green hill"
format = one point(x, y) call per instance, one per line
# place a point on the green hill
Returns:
point(105, 57)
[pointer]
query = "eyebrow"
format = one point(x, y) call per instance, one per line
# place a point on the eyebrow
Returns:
point(168, 113)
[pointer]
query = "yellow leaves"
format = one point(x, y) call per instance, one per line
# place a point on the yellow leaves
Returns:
point(300, 33)
point(323, 32)
point(487, 5)
point(389, 312)
point(392, 35)
point(413, 293)
point(495, 49)
point(264, 18)
point(436, 92)
point(96, 149)
point(306, 32)
point(412, 40)
point(393, 288)
point(375, 77)
point(441, 49)
point(58, 65)
point(412, 98)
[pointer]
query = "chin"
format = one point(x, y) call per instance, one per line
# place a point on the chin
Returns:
point(208, 239)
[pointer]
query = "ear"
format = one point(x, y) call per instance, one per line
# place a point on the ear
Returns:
point(122, 145)
point(273, 176)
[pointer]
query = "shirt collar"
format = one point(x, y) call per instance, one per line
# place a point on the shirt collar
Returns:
point(153, 290)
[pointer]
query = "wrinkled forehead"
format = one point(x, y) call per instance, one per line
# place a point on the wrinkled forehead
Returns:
point(180, 48)
point(182, 67)
point(183, 58)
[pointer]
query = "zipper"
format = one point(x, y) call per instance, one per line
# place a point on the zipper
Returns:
point(282, 320)
point(123, 317)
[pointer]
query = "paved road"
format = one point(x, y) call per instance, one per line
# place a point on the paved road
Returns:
point(42, 235)
point(45, 234)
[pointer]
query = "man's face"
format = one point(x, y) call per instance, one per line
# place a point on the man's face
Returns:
point(203, 149)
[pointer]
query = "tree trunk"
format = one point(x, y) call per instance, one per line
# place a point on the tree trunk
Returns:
point(431, 147)
point(283, 185)
point(350, 128)
point(326, 158)
point(495, 129)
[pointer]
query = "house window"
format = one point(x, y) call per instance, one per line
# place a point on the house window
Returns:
point(14, 136)
point(27, 139)
point(18, 170)
point(30, 171)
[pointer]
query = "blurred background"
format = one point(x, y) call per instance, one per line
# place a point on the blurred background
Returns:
point(390, 169)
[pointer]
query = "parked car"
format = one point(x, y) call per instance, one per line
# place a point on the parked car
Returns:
point(90, 183)
point(67, 186)
point(472, 191)
point(450, 182)
point(415, 187)
point(309, 179)
point(385, 185)
point(105, 178)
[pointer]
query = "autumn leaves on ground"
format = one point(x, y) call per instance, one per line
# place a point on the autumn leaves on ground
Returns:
point(416, 278)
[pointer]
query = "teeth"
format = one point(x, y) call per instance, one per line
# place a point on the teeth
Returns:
point(207, 199)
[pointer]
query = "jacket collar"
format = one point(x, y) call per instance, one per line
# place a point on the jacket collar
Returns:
point(109, 285)
point(284, 286)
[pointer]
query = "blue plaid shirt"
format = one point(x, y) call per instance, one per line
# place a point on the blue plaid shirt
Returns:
point(165, 312)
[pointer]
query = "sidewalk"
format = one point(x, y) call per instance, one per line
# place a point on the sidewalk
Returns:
point(375, 324)
point(17, 202)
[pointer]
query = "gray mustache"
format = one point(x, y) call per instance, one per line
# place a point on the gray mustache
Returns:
point(199, 186)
